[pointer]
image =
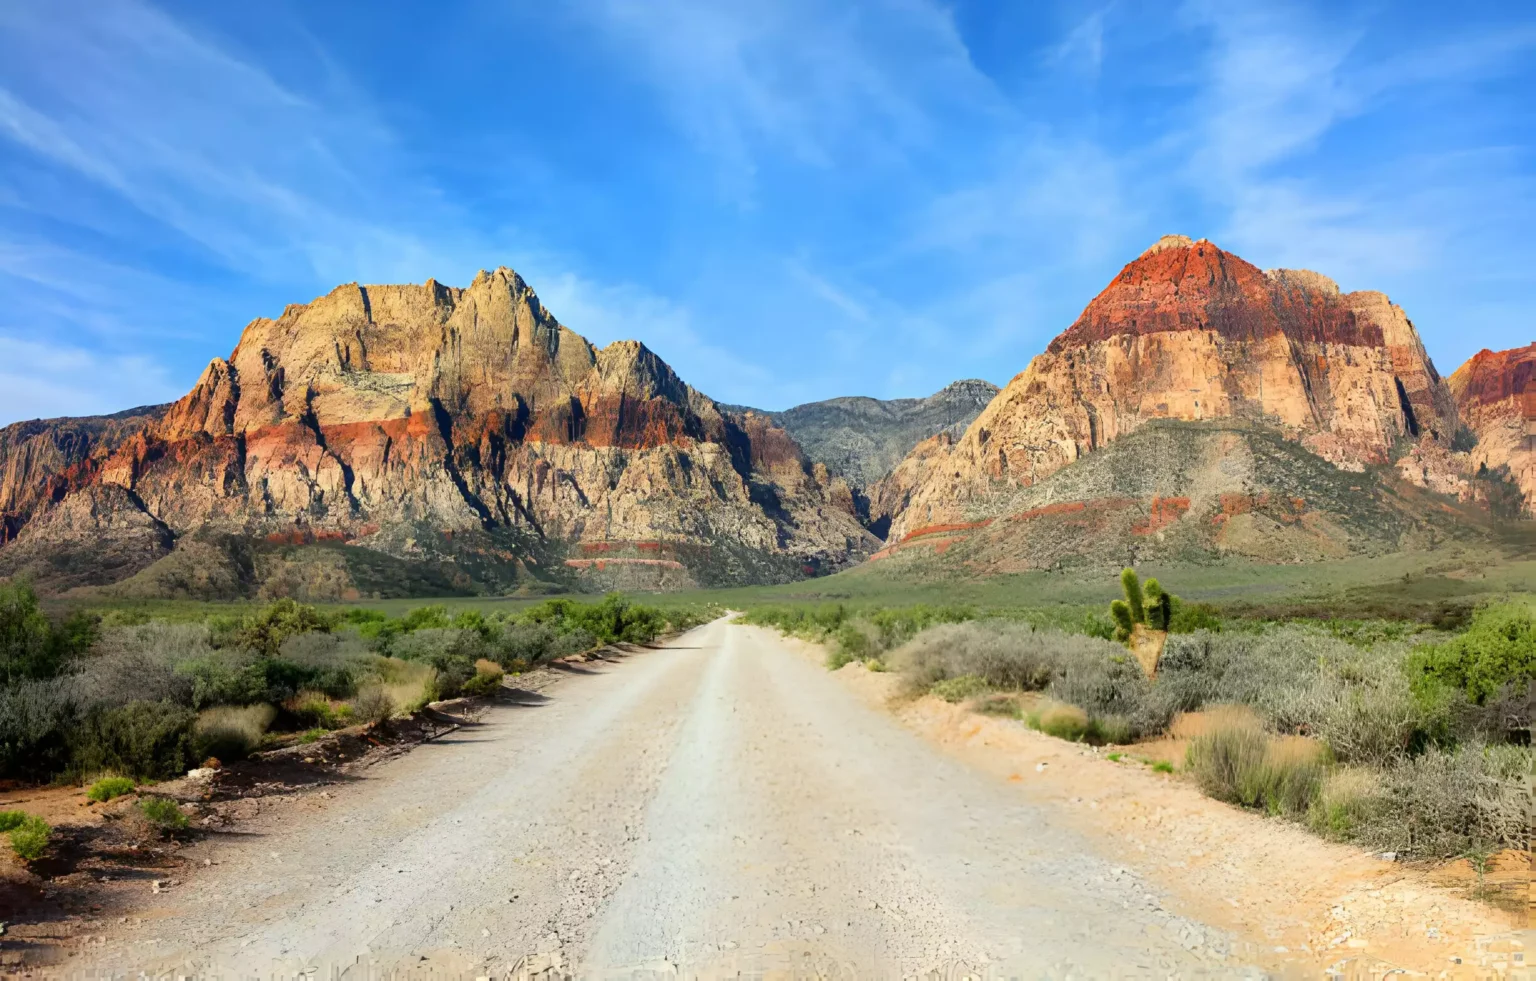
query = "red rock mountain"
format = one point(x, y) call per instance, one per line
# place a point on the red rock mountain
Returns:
point(1189, 332)
point(392, 417)
point(1495, 392)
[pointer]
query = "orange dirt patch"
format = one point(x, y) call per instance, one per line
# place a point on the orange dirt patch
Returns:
point(1164, 511)
point(943, 529)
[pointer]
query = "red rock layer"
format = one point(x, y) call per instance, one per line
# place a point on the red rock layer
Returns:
point(1495, 392)
point(1188, 331)
point(457, 408)
point(43, 460)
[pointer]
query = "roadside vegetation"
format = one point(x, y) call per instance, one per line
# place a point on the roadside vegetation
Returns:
point(124, 696)
point(1392, 734)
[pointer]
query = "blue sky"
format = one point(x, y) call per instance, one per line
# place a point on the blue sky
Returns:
point(787, 199)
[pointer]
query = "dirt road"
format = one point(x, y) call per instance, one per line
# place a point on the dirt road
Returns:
point(720, 805)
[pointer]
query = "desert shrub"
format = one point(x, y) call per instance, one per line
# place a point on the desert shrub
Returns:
point(524, 644)
point(1106, 682)
point(1007, 656)
point(852, 642)
point(332, 662)
point(1498, 649)
point(266, 631)
point(315, 709)
point(960, 688)
point(1112, 730)
point(1096, 675)
point(36, 717)
point(29, 838)
point(373, 704)
point(31, 645)
point(1443, 803)
point(451, 653)
point(230, 732)
point(163, 813)
point(999, 705)
point(138, 664)
point(486, 681)
point(1189, 617)
point(1301, 680)
point(577, 641)
point(108, 788)
point(148, 740)
point(11, 820)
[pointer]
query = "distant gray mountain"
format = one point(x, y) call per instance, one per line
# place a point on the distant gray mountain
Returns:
point(861, 439)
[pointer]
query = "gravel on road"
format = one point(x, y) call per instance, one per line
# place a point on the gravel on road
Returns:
point(715, 807)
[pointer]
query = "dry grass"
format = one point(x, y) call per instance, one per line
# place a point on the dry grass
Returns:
point(409, 684)
point(1235, 760)
point(1060, 720)
point(231, 732)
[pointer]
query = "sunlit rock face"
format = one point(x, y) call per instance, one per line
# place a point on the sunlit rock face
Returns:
point(375, 407)
point(1190, 332)
point(1495, 393)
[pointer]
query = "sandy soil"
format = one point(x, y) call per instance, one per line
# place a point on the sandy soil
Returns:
point(726, 807)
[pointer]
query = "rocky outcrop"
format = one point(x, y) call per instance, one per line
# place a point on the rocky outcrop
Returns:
point(1495, 392)
point(862, 439)
point(1190, 332)
point(44, 459)
point(396, 417)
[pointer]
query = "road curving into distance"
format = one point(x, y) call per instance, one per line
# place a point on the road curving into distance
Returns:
point(713, 807)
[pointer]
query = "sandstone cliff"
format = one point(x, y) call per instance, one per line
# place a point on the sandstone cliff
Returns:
point(44, 459)
point(399, 417)
point(1190, 332)
point(1495, 392)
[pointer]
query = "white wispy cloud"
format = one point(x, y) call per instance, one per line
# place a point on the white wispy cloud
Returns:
point(819, 82)
point(301, 190)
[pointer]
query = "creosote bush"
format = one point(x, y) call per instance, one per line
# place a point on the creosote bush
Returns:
point(163, 813)
point(29, 834)
point(108, 788)
point(1497, 651)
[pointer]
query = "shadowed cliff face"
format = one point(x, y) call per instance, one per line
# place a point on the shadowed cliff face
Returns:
point(1190, 332)
point(1495, 392)
point(454, 409)
point(42, 460)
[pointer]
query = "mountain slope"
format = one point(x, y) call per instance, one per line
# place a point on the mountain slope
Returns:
point(1174, 491)
point(1495, 393)
point(861, 439)
point(464, 428)
point(1190, 332)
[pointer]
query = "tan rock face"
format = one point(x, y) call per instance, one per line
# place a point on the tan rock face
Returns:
point(1495, 392)
point(1190, 332)
point(380, 406)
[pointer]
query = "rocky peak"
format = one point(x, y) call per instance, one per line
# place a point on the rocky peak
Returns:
point(1188, 331)
point(375, 409)
point(1495, 392)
